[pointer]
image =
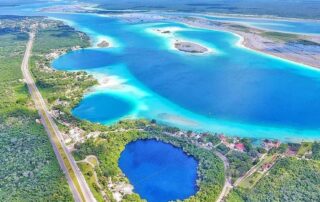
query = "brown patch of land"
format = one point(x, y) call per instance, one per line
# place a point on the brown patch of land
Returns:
point(103, 44)
point(190, 47)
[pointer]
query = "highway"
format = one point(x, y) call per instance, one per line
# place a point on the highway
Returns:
point(75, 179)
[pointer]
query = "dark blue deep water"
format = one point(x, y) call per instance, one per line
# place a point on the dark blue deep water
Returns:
point(158, 171)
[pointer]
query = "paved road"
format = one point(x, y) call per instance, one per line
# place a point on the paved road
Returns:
point(54, 133)
point(227, 184)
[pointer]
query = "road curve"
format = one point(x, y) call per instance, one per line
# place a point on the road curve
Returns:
point(227, 184)
point(54, 133)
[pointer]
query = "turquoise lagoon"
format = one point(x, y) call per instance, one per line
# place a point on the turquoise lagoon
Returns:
point(158, 171)
point(100, 108)
point(231, 90)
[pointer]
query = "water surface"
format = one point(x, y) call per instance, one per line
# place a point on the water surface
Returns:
point(102, 108)
point(158, 171)
point(232, 90)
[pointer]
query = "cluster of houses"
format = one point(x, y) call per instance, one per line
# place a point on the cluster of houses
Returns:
point(233, 143)
point(58, 52)
point(269, 144)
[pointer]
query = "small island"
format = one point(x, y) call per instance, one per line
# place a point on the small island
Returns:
point(163, 31)
point(190, 47)
point(103, 44)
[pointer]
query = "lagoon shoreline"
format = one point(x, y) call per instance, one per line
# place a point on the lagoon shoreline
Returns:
point(283, 45)
point(203, 123)
point(252, 39)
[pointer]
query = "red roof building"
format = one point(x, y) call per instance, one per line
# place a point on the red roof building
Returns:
point(223, 138)
point(239, 147)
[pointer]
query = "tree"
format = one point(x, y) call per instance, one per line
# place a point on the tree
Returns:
point(316, 151)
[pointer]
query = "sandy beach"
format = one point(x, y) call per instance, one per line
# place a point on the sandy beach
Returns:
point(255, 39)
point(302, 49)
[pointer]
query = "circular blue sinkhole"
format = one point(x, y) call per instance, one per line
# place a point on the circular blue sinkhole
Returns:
point(159, 171)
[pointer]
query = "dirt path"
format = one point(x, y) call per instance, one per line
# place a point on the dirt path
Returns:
point(227, 184)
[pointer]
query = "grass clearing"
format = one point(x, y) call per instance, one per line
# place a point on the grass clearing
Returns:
point(88, 172)
point(304, 148)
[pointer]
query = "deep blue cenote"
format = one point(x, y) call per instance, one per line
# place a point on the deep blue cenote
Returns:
point(158, 171)
point(231, 85)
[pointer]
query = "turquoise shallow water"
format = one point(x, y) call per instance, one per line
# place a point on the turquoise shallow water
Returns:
point(231, 90)
point(102, 108)
point(159, 172)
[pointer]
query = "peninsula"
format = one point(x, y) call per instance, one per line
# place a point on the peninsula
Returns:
point(296, 47)
point(300, 48)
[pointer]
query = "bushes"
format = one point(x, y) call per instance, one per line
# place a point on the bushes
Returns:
point(289, 180)
point(316, 151)
point(240, 163)
point(29, 170)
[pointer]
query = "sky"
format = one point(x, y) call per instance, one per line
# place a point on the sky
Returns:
point(281, 8)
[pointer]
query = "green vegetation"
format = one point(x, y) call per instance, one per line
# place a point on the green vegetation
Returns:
point(52, 83)
point(223, 149)
point(110, 145)
point(62, 90)
point(249, 182)
point(239, 27)
point(235, 196)
point(59, 36)
point(88, 173)
point(316, 151)
point(308, 42)
point(240, 163)
point(290, 179)
point(206, 137)
point(59, 85)
point(253, 179)
point(305, 148)
point(280, 36)
point(29, 170)
point(290, 38)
